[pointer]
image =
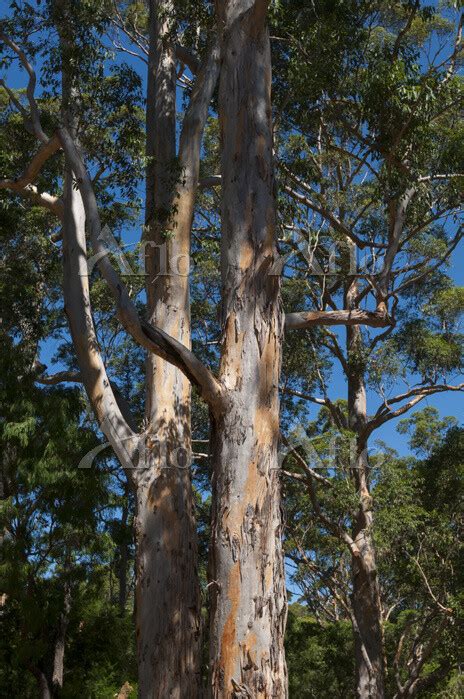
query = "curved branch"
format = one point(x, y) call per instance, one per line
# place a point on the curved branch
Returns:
point(35, 115)
point(59, 377)
point(384, 412)
point(23, 186)
point(153, 339)
point(33, 169)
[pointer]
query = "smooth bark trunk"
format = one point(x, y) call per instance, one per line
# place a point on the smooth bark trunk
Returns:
point(368, 636)
point(60, 642)
point(366, 605)
point(42, 684)
point(167, 587)
point(247, 580)
point(123, 557)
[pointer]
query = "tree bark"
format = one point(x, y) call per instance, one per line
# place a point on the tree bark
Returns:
point(60, 642)
point(367, 612)
point(123, 557)
point(42, 683)
point(167, 597)
point(247, 580)
point(167, 585)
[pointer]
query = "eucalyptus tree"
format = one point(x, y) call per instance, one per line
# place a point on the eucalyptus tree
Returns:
point(419, 560)
point(371, 165)
point(246, 572)
point(168, 601)
point(246, 638)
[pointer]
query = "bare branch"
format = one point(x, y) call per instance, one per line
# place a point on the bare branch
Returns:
point(60, 377)
point(308, 319)
point(415, 560)
point(145, 334)
point(384, 412)
point(336, 224)
point(123, 49)
point(334, 528)
point(35, 114)
point(306, 468)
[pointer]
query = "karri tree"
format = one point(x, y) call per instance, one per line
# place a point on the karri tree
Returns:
point(373, 176)
point(80, 149)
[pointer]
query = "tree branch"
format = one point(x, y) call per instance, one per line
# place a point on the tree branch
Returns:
point(384, 412)
point(59, 377)
point(209, 182)
point(335, 529)
point(308, 319)
point(35, 115)
point(188, 57)
point(23, 186)
point(153, 339)
point(33, 169)
point(116, 428)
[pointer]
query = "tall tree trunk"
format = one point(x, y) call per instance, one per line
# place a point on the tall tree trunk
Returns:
point(42, 683)
point(368, 634)
point(246, 567)
point(167, 599)
point(123, 555)
point(167, 585)
point(60, 642)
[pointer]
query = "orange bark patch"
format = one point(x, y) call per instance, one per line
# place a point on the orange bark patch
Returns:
point(228, 638)
point(246, 250)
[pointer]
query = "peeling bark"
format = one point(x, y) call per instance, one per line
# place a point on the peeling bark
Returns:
point(246, 566)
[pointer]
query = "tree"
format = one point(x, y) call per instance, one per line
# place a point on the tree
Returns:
point(418, 552)
point(246, 571)
point(371, 167)
point(52, 535)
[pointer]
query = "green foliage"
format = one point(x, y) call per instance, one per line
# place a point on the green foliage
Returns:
point(319, 657)
point(426, 429)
